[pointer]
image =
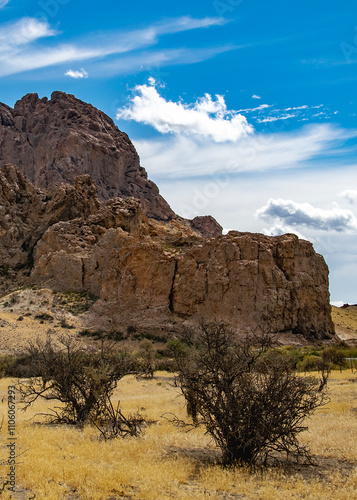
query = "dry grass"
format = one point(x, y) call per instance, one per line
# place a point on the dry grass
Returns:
point(345, 319)
point(62, 462)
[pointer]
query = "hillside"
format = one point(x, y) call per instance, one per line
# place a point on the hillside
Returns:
point(345, 319)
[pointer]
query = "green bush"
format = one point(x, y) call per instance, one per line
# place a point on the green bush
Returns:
point(310, 363)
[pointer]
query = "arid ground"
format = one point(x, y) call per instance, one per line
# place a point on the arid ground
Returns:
point(64, 462)
point(58, 462)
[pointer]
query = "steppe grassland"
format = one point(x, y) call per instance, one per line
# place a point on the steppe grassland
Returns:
point(65, 462)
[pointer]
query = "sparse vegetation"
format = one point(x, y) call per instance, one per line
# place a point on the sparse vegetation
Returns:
point(76, 302)
point(82, 381)
point(253, 406)
point(64, 461)
point(147, 358)
point(66, 325)
point(44, 317)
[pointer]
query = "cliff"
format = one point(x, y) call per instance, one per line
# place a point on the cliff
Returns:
point(77, 212)
point(156, 275)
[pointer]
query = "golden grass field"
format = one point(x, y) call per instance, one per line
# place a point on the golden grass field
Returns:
point(63, 462)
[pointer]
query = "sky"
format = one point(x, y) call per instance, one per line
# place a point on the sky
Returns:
point(244, 110)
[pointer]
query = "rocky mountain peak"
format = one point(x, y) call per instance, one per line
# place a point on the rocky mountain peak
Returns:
point(53, 141)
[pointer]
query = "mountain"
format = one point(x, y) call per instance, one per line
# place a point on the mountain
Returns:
point(78, 214)
point(53, 141)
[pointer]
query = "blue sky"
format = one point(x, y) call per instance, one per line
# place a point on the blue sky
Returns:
point(245, 110)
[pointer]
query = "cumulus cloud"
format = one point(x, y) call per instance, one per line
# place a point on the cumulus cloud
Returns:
point(306, 215)
point(77, 74)
point(207, 117)
point(350, 195)
point(255, 96)
point(279, 229)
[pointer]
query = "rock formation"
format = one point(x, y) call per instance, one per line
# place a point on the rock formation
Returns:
point(146, 278)
point(54, 141)
point(26, 212)
point(160, 272)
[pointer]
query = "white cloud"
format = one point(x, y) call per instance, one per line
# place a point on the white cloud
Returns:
point(338, 303)
point(255, 96)
point(181, 156)
point(77, 74)
point(3, 3)
point(258, 108)
point(306, 215)
point(18, 52)
point(23, 32)
point(305, 106)
point(270, 119)
point(279, 229)
point(350, 195)
point(206, 118)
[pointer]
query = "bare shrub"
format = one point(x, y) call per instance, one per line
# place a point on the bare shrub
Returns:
point(82, 381)
point(253, 405)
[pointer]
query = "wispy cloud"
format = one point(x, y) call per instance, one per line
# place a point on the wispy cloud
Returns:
point(23, 32)
point(207, 118)
point(3, 3)
point(305, 106)
point(77, 74)
point(258, 108)
point(183, 156)
point(270, 119)
point(255, 96)
point(22, 47)
point(144, 60)
point(295, 214)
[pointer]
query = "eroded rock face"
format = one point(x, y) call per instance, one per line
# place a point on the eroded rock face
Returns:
point(147, 278)
point(54, 141)
point(26, 212)
point(151, 274)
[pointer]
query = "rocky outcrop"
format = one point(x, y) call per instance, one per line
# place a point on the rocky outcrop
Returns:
point(207, 226)
point(53, 141)
point(26, 212)
point(160, 273)
point(147, 278)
